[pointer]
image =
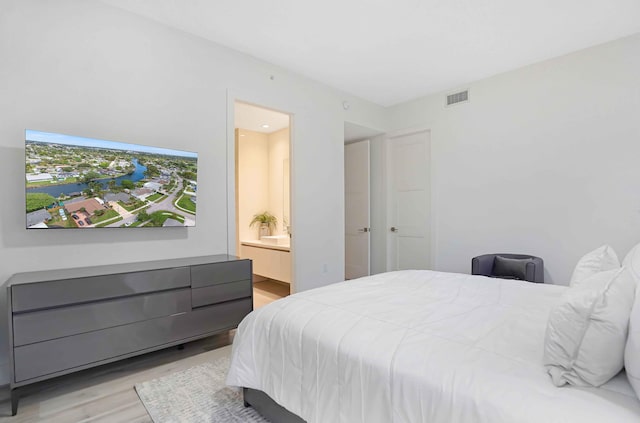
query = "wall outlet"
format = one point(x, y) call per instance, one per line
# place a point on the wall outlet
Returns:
point(325, 268)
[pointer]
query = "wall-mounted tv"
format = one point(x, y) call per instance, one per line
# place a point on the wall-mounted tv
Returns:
point(81, 183)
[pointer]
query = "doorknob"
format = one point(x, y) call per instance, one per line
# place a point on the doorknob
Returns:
point(364, 230)
point(394, 229)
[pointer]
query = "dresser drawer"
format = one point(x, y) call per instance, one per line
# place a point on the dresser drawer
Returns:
point(218, 293)
point(60, 356)
point(48, 294)
point(54, 323)
point(217, 273)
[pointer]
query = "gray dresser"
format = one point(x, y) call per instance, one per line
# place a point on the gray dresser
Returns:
point(62, 321)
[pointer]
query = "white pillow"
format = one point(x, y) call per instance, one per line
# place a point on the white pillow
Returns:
point(632, 350)
point(632, 261)
point(596, 261)
point(586, 333)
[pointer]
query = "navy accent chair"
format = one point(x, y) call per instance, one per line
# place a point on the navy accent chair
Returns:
point(484, 265)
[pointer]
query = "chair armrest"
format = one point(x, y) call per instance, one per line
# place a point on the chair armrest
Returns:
point(482, 265)
point(535, 270)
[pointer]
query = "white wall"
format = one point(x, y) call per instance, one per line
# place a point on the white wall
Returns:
point(278, 153)
point(260, 160)
point(253, 180)
point(85, 68)
point(542, 160)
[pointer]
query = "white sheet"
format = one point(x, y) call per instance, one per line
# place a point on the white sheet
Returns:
point(416, 346)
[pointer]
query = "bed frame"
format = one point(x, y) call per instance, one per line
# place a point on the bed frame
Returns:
point(268, 408)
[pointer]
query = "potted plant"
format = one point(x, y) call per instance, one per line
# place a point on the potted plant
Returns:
point(266, 221)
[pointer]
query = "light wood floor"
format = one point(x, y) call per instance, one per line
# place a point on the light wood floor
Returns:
point(268, 291)
point(106, 394)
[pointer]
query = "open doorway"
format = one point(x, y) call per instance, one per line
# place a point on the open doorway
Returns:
point(263, 211)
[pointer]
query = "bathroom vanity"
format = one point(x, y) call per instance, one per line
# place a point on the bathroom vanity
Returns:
point(271, 257)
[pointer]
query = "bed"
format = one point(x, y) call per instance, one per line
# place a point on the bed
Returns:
point(415, 346)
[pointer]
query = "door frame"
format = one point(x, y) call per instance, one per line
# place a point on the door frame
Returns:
point(387, 191)
point(232, 241)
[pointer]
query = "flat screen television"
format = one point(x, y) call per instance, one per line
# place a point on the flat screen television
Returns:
point(84, 183)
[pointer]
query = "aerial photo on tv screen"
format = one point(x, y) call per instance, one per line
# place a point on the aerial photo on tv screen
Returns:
point(79, 183)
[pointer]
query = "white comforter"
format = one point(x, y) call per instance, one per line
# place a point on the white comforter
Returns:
point(416, 346)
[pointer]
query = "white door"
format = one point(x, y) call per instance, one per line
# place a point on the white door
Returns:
point(409, 201)
point(356, 193)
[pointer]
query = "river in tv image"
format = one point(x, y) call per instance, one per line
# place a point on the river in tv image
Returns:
point(78, 183)
point(68, 189)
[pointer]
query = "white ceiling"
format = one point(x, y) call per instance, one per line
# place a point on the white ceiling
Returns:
point(254, 118)
point(393, 51)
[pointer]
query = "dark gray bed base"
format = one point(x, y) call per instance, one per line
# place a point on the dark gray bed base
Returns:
point(268, 408)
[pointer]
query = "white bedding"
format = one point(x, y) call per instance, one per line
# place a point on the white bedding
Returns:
point(416, 346)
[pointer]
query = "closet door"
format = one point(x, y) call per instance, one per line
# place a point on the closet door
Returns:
point(409, 201)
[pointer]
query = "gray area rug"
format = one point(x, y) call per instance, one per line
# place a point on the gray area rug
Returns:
point(196, 395)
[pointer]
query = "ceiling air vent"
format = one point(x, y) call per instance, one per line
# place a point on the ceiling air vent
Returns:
point(456, 98)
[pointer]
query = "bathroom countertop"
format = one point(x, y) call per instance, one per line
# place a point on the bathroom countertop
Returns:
point(261, 244)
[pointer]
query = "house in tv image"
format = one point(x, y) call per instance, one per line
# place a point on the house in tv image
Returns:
point(39, 177)
point(83, 210)
point(90, 205)
point(191, 189)
point(119, 196)
point(38, 219)
point(142, 193)
point(155, 186)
